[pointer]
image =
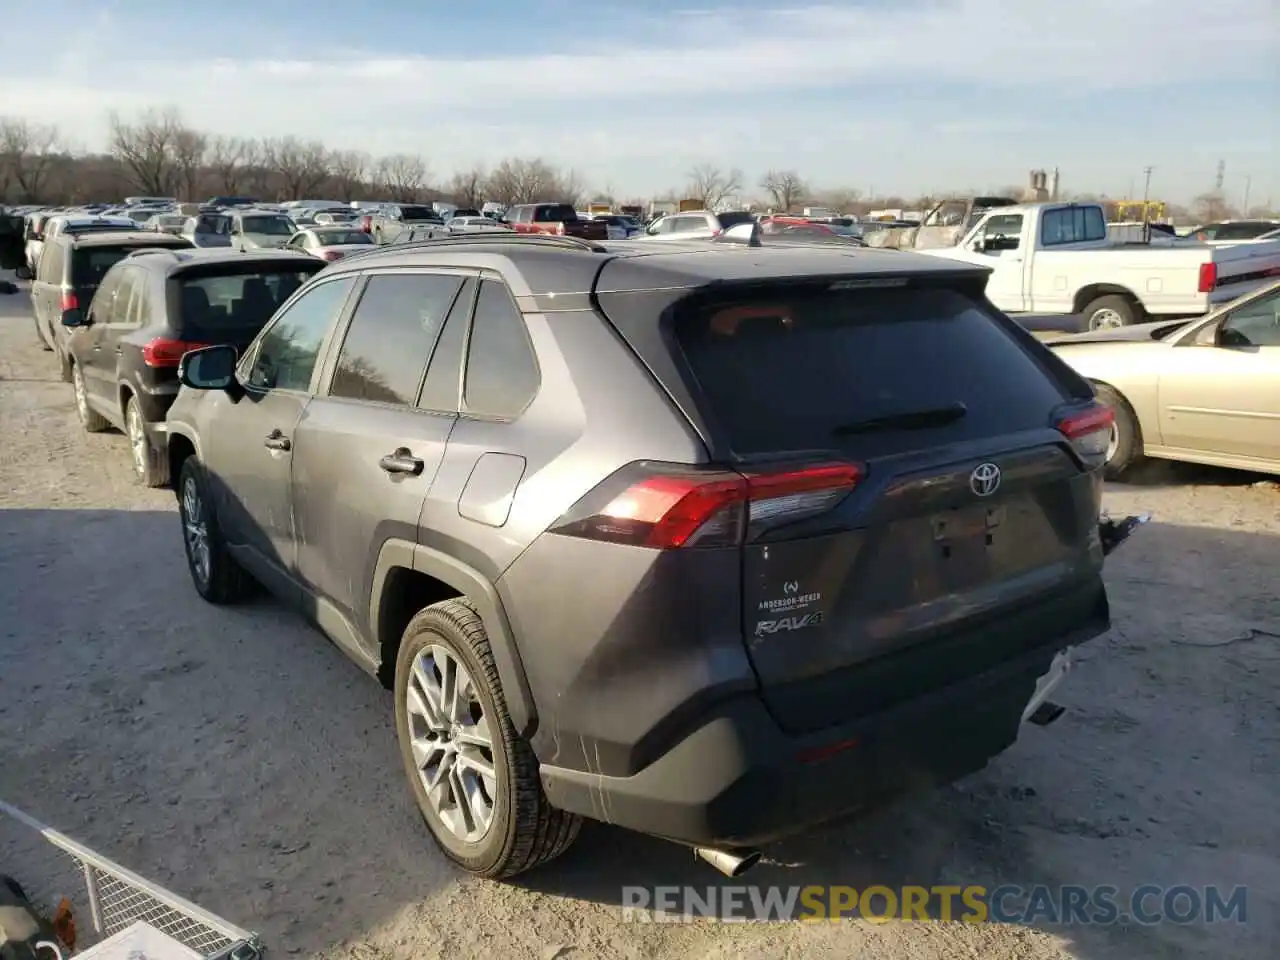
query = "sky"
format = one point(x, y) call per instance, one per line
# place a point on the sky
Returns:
point(880, 96)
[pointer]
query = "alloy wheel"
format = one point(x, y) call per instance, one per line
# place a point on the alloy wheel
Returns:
point(195, 530)
point(452, 743)
point(1106, 319)
point(137, 439)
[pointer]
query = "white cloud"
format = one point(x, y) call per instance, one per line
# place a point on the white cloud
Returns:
point(578, 106)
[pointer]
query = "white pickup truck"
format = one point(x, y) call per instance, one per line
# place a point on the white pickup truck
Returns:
point(1056, 258)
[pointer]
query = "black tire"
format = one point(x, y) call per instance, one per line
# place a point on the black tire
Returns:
point(90, 419)
point(151, 467)
point(526, 830)
point(44, 344)
point(1119, 310)
point(226, 581)
point(1128, 449)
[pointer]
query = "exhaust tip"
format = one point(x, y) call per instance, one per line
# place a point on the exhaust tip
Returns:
point(729, 863)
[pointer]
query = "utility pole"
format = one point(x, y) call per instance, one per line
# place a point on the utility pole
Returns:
point(1248, 182)
point(1146, 208)
point(1222, 172)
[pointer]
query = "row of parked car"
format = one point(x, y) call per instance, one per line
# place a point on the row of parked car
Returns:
point(541, 488)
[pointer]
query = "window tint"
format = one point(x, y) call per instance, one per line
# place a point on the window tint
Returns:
point(783, 372)
point(286, 354)
point(502, 374)
point(554, 213)
point(440, 389)
point(236, 304)
point(49, 269)
point(1255, 324)
point(102, 300)
point(389, 341)
point(1072, 225)
point(89, 265)
point(125, 288)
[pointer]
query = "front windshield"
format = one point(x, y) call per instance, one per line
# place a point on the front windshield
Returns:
point(269, 226)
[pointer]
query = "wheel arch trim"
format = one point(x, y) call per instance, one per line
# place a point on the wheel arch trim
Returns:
point(483, 594)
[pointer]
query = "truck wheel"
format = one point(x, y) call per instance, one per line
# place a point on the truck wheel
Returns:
point(475, 780)
point(1125, 450)
point(214, 572)
point(1111, 311)
point(90, 419)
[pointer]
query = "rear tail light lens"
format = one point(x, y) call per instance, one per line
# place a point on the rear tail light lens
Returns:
point(1089, 431)
point(668, 506)
point(1208, 277)
point(70, 302)
point(164, 352)
point(366, 224)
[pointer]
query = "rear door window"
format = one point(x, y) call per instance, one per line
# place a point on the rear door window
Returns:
point(389, 340)
point(1072, 225)
point(800, 368)
point(502, 372)
point(554, 213)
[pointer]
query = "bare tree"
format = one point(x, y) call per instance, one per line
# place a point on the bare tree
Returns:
point(348, 170)
point(302, 165)
point(402, 175)
point(147, 149)
point(711, 186)
point(466, 189)
point(228, 158)
point(189, 148)
point(785, 187)
point(1212, 206)
point(524, 181)
point(29, 151)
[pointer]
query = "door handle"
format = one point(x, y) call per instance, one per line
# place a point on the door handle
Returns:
point(402, 461)
point(275, 440)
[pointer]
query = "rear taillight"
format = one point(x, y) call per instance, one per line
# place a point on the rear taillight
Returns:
point(164, 352)
point(665, 506)
point(1208, 277)
point(331, 255)
point(1089, 431)
point(70, 302)
point(366, 224)
point(558, 229)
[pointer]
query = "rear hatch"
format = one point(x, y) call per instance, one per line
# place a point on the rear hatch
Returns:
point(230, 301)
point(89, 264)
point(917, 509)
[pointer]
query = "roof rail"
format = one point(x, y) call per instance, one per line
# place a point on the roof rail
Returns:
point(547, 239)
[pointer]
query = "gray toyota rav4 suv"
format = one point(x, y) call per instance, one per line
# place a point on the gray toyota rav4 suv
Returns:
point(711, 540)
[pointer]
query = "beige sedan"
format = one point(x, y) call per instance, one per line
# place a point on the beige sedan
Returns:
point(1204, 390)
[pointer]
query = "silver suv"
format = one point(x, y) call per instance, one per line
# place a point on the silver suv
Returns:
point(713, 542)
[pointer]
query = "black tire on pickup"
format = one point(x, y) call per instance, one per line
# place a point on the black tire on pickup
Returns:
point(1112, 310)
point(1126, 452)
point(526, 830)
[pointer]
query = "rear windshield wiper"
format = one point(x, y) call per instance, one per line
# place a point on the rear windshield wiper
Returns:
point(907, 420)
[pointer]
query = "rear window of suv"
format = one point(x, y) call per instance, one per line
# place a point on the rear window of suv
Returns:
point(793, 369)
point(90, 264)
point(236, 305)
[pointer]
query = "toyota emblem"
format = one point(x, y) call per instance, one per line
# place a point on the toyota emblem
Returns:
point(985, 479)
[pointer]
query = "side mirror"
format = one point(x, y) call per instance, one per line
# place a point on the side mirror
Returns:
point(23, 272)
point(209, 368)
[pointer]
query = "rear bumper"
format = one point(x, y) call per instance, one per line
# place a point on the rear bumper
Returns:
point(739, 781)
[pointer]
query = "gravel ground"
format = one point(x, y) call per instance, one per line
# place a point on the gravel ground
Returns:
point(237, 758)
